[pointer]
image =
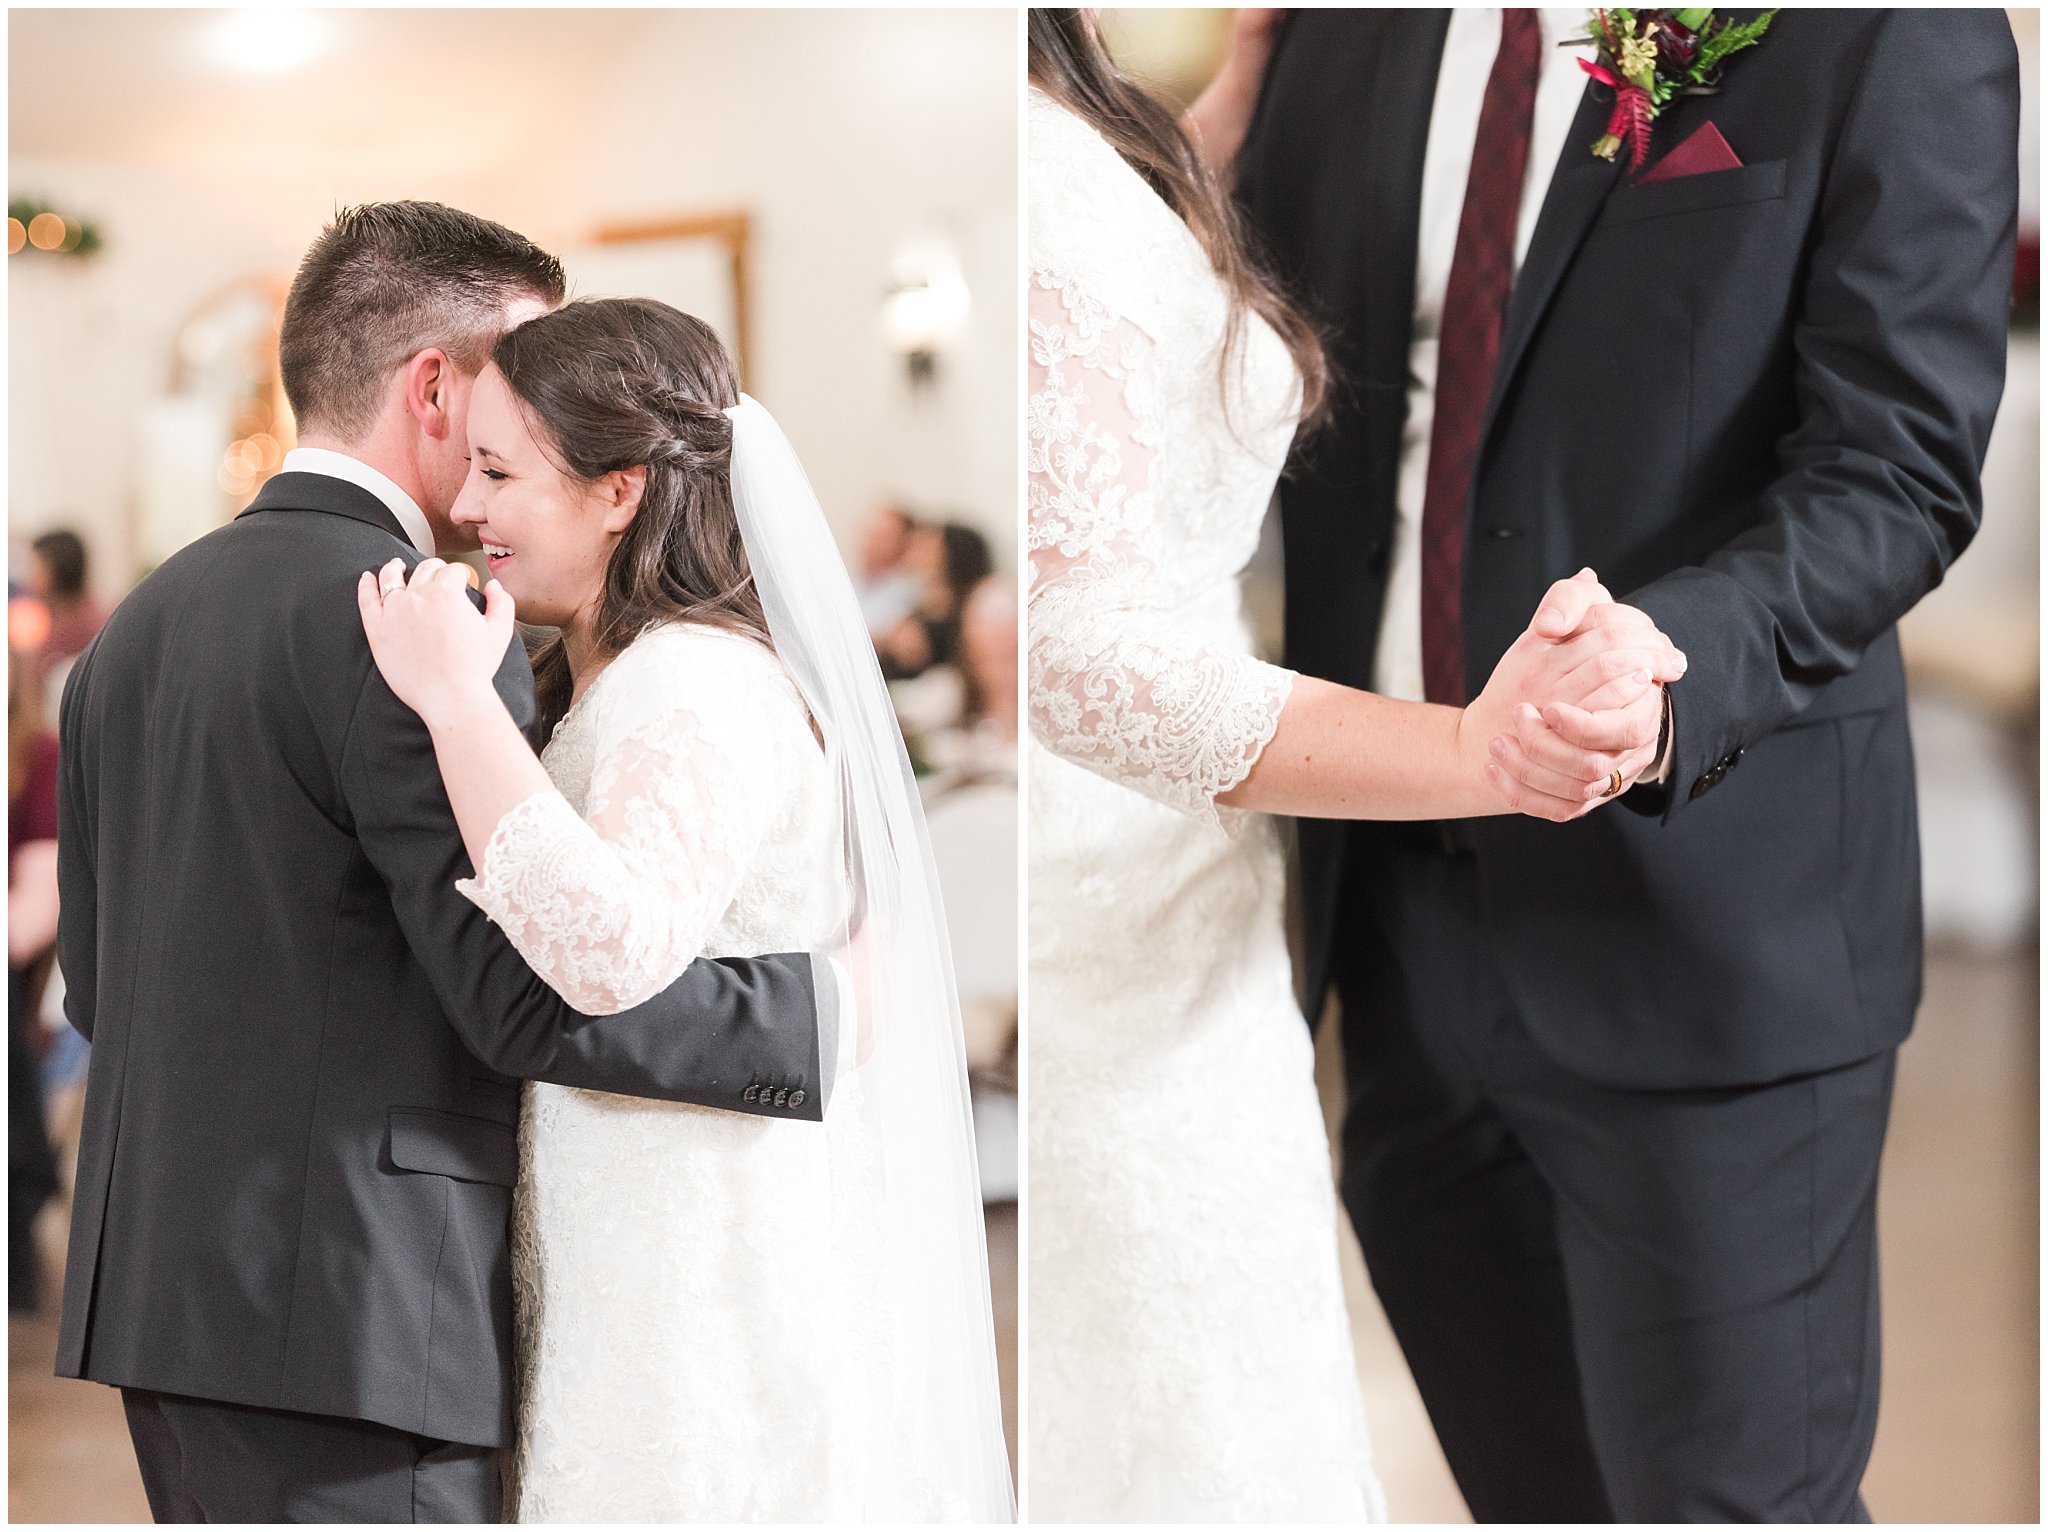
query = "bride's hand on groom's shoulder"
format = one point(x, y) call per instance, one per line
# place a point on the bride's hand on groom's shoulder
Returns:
point(1574, 711)
point(437, 652)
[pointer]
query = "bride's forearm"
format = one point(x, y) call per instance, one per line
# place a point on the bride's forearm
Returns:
point(1339, 753)
point(486, 765)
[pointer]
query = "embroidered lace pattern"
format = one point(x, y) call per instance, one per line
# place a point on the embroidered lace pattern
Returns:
point(688, 1284)
point(1138, 667)
point(1190, 1357)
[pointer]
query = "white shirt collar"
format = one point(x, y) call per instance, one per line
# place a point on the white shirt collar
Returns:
point(339, 465)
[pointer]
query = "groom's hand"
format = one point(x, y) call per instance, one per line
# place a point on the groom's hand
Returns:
point(1222, 114)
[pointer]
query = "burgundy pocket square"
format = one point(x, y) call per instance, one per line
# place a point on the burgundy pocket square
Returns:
point(1706, 150)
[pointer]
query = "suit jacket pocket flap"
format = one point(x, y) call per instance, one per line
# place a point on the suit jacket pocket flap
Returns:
point(1761, 182)
point(444, 1144)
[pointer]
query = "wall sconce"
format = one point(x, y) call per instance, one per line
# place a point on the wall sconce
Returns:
point(923, 308)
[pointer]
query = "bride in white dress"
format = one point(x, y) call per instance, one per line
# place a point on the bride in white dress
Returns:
point(721, 1317)
point(1190, 1355)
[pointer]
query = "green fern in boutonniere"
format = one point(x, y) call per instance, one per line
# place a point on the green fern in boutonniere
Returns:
point(1649, 57)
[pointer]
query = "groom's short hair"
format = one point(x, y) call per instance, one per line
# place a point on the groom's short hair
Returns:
point(388, 280)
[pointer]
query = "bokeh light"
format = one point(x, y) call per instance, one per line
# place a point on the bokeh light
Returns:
point(28, 624)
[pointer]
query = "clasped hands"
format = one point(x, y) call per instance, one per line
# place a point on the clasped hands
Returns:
point(1573, 713)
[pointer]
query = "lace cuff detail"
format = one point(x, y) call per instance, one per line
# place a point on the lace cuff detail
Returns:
point(533, 822)
point(1278, 686)
point(1176, 722)
point(609, 906)
point(1115, 683)
point(534, 867)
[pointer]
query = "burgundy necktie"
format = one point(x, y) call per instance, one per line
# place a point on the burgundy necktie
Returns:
point(1475, 310)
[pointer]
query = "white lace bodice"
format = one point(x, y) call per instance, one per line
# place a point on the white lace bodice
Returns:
point(1145, 489)
point(689, 1285)
point(1190, 1358)
point(689, 820)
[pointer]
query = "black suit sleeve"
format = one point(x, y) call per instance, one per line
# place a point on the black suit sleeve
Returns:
point(78, 901)
point(1901, 346)
point(723, 1030)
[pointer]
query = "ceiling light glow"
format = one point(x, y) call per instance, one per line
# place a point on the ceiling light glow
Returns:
point(266, 41)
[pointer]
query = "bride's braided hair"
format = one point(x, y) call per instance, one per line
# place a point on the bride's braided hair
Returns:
point(615, 383)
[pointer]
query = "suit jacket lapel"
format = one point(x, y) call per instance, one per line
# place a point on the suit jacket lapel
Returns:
point(1578, 190)
point(1404, 92)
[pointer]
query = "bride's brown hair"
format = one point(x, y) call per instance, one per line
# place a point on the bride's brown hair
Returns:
point(1067, 61)
point(614, 383)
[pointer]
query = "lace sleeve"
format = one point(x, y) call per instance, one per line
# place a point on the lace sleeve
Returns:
point(611, 910)
point(1113, 684)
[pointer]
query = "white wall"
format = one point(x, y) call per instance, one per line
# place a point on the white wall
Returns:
point(89, 341)
point(845, 133)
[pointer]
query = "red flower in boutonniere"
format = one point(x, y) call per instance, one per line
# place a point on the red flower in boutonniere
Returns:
point(1649, 57)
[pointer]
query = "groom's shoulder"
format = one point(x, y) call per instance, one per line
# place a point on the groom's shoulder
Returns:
point(285, 549)
point(1863, 39)
point(301, 551)
point(1926, 30)
point(275, 590)
point(312, 539)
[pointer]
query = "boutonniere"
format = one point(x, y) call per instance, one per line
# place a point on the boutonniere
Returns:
point(1649, 57)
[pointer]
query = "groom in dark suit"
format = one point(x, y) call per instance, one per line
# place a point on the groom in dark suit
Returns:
point(1618, 1088)
point(289, 1243)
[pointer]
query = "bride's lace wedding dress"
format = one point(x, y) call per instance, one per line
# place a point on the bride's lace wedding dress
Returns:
point(688, 1281)
point(1190, 1353)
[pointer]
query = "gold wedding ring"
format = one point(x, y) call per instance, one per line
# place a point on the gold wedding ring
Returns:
point(1613, 784)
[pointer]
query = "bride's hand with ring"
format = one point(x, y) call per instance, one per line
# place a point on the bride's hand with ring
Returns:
point(437, 652)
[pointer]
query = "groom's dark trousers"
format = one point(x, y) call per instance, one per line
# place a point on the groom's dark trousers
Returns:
point(289, 1233)
point(1618, 1088)
point(204, 1461)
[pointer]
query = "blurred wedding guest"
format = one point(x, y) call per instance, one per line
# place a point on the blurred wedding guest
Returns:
point(960, 720)
point(986, 742)
point(963, 562)
point(949, 559)
point(31, 929)
point(988, 655)
point(59, 577)
point(887, 587)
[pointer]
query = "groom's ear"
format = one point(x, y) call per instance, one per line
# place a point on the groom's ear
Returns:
point(430, 384)
point(619, 495)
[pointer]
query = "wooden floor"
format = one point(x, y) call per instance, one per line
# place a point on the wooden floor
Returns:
point(68, 1458)
point(1957, 1439)
point(1958, 1207)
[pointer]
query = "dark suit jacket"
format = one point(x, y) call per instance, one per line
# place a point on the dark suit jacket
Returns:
point(299, 1140)
point(1756, 401)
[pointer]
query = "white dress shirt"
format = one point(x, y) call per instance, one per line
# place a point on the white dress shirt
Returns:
point(339, 465)
point(1469, 49)
point(1470, 46)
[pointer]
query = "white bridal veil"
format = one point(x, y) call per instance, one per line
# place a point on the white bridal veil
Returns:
point(933, 1434)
